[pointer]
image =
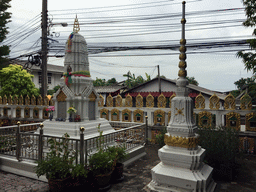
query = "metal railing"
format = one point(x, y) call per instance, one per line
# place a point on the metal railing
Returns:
point(14, 141)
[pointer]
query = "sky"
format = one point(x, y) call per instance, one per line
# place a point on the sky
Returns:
point(139, 23)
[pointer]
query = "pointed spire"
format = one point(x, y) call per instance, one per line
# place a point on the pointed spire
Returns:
point(76, 25)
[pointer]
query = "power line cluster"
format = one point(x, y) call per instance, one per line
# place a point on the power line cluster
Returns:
point(106, 34)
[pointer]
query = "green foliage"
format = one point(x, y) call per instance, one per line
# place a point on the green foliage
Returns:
point(250, 82)
point(221, 144)
point(54, 90)
point(249, 57)
point(16, 81)
point(4, 19)
point(133, 81)
point(59, 161)
point(103, 161)
point(192, 80)
point(79, 170)
point(111, 81)
point(160, 137)
point(119, 152)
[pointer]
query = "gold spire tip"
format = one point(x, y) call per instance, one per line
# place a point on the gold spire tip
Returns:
point(76, 25)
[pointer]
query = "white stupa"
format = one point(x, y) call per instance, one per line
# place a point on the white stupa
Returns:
point(181, 167)
point(76, 91)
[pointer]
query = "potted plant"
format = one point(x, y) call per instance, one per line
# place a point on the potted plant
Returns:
point(58, 164)
point(101, 165)
point(50, 110)
point(120, 155)
point(71, 110)
point(79, 176)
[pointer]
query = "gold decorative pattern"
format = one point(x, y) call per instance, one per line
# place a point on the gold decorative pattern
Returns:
point(76, 27)
point(159, 117)
point(176, 141)
point(183, 21)
point(233, 120)
point(149, 101)
point(170, 103)
point(92, 97)
point(51, 102)
point(5, 113)
point(229, 102)
point(4, 100)
point(45, 113)
point(104, 113)
point(248, 118)
point(36, 113)
point(10, 100)
point(27, 112)
point(138, 116)
point(46, 101)
point(27, 100)
point(169, 116)
point(205, 119)
point(182, 73)
point(39, 100)
point(114, 115)
point(126, 115)
point(109, 101)
point(119, 101)
point(200, 102)
point(161, 101)
point(18, 112)
point(139, 101)
point(101, 101)
point(214, 102)
point(179, 111)
point(246, 102)
point(61, 97)
point(21, 100)
point(183, 41)
point(15, 100)
point(1, 100)
point(182, 56)
point(33, 100)
point(128, 101)
point(182, 64)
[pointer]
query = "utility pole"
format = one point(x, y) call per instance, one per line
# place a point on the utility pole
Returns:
point(44, 48)
point(159, 80)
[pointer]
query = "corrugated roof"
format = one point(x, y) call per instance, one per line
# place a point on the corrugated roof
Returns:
point(108, 89)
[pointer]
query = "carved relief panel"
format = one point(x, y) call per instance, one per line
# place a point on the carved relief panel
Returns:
point(104, 113)
point(114, 115)
point(229, 102)
point(101, 101)
point(250, 122)
point(109, 101)
point(161, 101)
point(149, 101)
point(126, 115)
point(205, 119)
point(36, 113)
point(233, 120)
point(119, 101)
point(246, 102)
point(159, 117)
point(139, 101)
point(138, 116)
point(200, 102)
point(128, 101)
point(214, 102)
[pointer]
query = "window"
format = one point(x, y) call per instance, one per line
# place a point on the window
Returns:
point(49, 80)
point(233, 123)
point(39, 79)
point(126, 118)
point(138, 118)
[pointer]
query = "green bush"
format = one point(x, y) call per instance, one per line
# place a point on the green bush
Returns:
point(160, 137)
point(222, 148)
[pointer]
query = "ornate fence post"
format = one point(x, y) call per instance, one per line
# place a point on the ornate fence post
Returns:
point(40, 143)
point(18, 142)
point(82, 145)
point(146, 131)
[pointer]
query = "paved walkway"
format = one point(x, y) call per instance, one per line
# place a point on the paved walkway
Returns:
point(137, 176)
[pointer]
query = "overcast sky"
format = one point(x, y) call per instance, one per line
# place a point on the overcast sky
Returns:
point(213, 70)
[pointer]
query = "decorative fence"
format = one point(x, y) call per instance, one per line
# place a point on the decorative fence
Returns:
point(14, 141)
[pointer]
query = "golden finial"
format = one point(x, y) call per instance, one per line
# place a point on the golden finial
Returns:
point(76, 25)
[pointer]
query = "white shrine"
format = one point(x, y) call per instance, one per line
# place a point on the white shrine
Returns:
point(181, 167)
point(76, 91)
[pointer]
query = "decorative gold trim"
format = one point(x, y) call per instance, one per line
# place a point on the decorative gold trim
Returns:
point(76, 27)
point(204, 115)
point(109, 101)
point(45, 113)
point(119, 101)
point(1, 100)
point(214, 102)
point(33, 100)
point(27, 100)
point(26, 112)
point(10, 100)
point(140, 112)
point(247, 121)
point(183, 41)
point(139, 101)
point(200, 102)
point(161, 101)
point(15, 100)
point(5, 111)
point(149, 101)
point(115, 112)
point(18, 112)
point(39, 100)
point(182, 64)
point(236, 117)
point(21, 100)
point(36, 113)
point(101, 101)
point(159, 114)
point(169, 116)
point(46, 101)
point(104, 111)
point(4, 100)
point(92, 96)
point(179, 111)
point(246, 102)
point(183, 56)
point(229, 102)
point(183, 21)
point(128, 101)
point(182, 73)
point(128, 113)
point(176, 141)
point(170, 100)
point(61, 97)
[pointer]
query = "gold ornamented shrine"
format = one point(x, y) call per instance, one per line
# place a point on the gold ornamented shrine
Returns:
point(214, 102)
point(161, 101)
point(119, 101)
point(149, 101)
point(250, 121)
point(200, 102)
point(114, 115)
point(101, 101)
point(246, 102)
point(233, 120)
point(110, 101)
point(126, 115)
point(128, 101)
point(61, 97)
point(104, 113)
point(229, 102)
point(139, 101)
point(138, 116)
point(159, 117)
point(177, 141)
point(205, 119)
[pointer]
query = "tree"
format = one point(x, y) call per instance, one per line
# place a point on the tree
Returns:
point(111, 81)
point(99, 82)
point(4, 19)
point(192, 80)
point(17, 81)
point(249, 58)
